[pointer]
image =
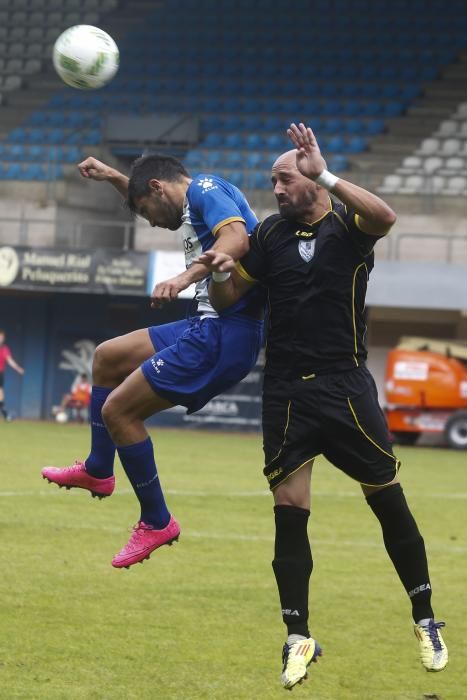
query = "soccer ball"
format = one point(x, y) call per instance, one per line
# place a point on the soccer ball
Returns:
point(85, 57)
point(61, 417)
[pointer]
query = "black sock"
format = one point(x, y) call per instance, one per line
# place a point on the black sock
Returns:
point(405, 546)
point(292, 566)
point(3, 410)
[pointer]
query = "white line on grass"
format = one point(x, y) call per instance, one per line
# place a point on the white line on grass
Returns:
point(233, 494)
point(237, 537)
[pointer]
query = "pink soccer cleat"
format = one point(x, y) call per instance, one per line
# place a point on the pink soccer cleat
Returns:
point(144, 540)
point(77, 477)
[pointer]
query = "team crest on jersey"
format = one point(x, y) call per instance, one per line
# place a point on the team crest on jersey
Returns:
point(306, 249)
point(207, 184)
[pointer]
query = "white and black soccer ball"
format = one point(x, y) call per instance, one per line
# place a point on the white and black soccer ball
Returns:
point(61, 417)
point(85, 57)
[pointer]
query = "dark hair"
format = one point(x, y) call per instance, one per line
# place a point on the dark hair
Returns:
point(149, 167)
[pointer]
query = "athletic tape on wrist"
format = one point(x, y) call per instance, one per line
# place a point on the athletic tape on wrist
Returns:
point(326, 180)
point(220, 276)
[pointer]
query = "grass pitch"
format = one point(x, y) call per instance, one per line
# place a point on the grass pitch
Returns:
point(201, 619)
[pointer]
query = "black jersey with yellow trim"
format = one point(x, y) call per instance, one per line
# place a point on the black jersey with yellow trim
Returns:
point(316, 276)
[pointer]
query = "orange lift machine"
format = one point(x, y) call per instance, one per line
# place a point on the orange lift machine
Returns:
point(426, 390)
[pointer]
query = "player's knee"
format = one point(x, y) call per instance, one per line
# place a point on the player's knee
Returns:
point(104, 363)
point(111, 415)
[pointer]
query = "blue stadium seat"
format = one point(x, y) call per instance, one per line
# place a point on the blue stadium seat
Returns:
point(16, 152)
point(334, 125)
point(259, 181)
point(211, 122)
point(213, 159)
point(37, 119)
point(336, 144)
point(54, 136)
point(237, 178)
point(37, 136)
point(355, 126)
point(212, 140)
point(375, 126)
point(18, 135)
point(253, 160)
point(253, 142)
point(338, 163)
point(233, 122)
point(34, 171)
point(13, 171)
point(356, 145)
point(233, 141)
point(194, 159)
point(233, 159)
point(393, 109)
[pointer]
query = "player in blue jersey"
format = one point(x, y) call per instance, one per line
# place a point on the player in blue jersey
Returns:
point(182, 363)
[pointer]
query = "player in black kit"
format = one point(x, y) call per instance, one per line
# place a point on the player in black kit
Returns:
point(314, 259)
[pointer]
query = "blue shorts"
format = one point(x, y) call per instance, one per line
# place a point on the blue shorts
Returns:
point(199, 358)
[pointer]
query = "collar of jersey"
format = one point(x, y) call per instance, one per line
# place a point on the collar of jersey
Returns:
point(328, 211)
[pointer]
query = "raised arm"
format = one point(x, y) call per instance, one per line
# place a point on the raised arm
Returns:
point(375, 217)
point(94, 169)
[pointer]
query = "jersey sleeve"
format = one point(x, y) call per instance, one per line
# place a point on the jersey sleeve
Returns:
point(364, 242)
point(213, 203)
point(252, 267)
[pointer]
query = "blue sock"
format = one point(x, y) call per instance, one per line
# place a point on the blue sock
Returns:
point(140, 468)
point(100, 462)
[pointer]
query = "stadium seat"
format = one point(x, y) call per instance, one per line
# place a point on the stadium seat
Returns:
point(357, 144)
point(450, 147)
point(236, 177)
point(390, 184)
point(233, 159)
point(428, 147)
point(432, 163)
point(413, 184)
point(410, 165)
point(456, 185)
point(447, 128)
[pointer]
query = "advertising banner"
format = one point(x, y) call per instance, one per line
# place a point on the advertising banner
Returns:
point(97, 271)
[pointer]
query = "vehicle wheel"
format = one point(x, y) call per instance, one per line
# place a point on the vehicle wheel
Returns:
point(406, 438)
point(455, 431)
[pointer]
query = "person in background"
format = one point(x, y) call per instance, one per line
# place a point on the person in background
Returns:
point(78, 398)
point(314, 259)
point(6, 358)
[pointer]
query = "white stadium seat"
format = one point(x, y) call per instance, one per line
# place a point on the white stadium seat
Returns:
point(428, 147)
point(410, 165)
point(451, 147)
point(447, 128)
point(432, 163)
point(462, 110)
point(456, 185)
point(390, 184)
point(413, 184)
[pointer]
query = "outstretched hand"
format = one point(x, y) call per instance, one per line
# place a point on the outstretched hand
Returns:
point(216, 261)
point(310, 162)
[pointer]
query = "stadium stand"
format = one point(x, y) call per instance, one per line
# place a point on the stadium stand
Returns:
point(243, 92)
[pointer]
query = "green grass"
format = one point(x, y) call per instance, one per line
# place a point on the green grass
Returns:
point(201, 619)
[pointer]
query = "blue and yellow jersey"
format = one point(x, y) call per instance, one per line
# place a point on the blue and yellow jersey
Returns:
point(212, 202)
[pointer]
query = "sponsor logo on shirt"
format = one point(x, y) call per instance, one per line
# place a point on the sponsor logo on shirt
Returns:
point(207, 184)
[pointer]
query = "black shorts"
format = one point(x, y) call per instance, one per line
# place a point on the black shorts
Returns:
point(337, 415)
